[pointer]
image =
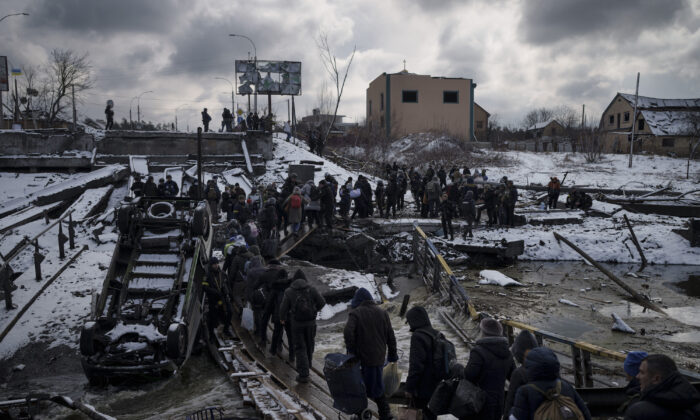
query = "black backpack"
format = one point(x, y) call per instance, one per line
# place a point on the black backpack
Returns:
point(315, 193)
point(304, 309)
point(443, 354)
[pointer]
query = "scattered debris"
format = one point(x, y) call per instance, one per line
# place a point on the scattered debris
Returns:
point(497, 278)
point(620, 325)
point(568, 302)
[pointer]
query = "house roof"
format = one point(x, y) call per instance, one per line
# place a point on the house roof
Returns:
point(541, 125)
point(671, 122)
point(646, 102)
point(482, 108)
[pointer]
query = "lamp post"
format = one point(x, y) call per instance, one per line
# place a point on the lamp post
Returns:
point(13, 14)
point(177, 109)
point(131, 122)
point(255, 61)
point(138, 105)
point(233, 107)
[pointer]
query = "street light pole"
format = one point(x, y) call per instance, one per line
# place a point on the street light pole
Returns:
point(255, 61)
point(138, 105)
point(233, 107)
point(131, 122)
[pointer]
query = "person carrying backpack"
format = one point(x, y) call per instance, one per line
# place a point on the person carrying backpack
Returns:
point(426, 367)
point(293, 205)
point(533, 402)
point(300, 305)
point(369, 336)
point(490, 363)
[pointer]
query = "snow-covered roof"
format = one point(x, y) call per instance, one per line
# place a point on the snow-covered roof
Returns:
point(541, 125)
point(651, 103)
point(671, 123)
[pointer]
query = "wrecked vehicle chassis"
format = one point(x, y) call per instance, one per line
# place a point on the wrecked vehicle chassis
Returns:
point(144, 321)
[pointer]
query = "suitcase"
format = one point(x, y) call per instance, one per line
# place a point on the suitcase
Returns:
point(344, 378)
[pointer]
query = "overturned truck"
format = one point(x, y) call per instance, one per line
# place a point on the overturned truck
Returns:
point(145, 319)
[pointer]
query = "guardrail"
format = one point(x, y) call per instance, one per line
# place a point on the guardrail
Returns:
point(5, 270)
point(439, 278)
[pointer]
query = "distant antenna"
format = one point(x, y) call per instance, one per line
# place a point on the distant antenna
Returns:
point(404, 65)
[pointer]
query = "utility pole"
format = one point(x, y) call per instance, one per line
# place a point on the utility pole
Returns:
point(75, 113)
point(200, 192)
point(583, 116)
point(16, 102)
point(634, 121)
point(289, 115)
point(294, 120)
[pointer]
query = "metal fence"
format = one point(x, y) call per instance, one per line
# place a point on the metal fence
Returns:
point(439, 278)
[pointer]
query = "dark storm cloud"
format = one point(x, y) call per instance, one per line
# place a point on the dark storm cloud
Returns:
point(103, 17)
point(460, 57)
point(549, 21)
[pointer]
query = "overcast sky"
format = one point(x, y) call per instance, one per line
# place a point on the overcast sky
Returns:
point(522, 54)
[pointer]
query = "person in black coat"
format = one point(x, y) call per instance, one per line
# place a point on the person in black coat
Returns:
point(150, 189)
point(137, 186)
point(522, 345)
point(327, 203)
point(422, 378)
point(206, 118)
point(447, 212)
point(665, 393)
point(267, 218)
point(303, 328)
point(490, 363)
point(274, 301)
point(392, 197)
point(369, 336)
point(542, 367)
point(379, 196)
point(219, 310)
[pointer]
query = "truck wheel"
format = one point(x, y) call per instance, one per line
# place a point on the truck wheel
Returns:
point(200, 222)
point(161, 210)
point(124, 214)
point(176, 344)
point(88, 335)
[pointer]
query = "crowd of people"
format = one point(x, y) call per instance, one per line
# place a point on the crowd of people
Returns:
point(231, 123)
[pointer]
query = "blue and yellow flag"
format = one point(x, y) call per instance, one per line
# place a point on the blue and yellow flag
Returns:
point(16, 72)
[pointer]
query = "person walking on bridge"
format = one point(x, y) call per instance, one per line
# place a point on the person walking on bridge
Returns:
point(206, 118)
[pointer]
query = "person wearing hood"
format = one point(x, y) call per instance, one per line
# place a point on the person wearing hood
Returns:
point(370, 337)
point(422, 378)
point(542, 368)
point(447, 212)
point(432, 192)
point(268, 219)
point(379, 195)
point(522, 345)
point(490, 364)
point(665, 393)
point(300, 305)
point(294, 205)
point(392, 197)
point(278, 287)
point(312, 195)
point(327, 203)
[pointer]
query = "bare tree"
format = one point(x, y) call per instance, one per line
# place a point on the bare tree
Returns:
point(592, 146)
point(337, 76)
point(66, 71)
point(324, 99)
point(567, 116)
point(536, 116)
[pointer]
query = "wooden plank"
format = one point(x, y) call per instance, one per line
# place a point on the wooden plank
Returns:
point(285, 249)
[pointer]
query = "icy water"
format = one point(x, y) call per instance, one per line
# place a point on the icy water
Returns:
point(200, 384)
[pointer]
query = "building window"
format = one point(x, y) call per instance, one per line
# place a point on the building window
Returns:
point(370, 107)
point(450, 97)
point(668, 142)
point(410, 96)
point(627, 116)
point(381, 102)
point(618, 120)
point(612, 119)
point(480, 125)
point(640, 125)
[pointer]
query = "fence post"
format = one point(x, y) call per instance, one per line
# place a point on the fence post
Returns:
point(38, 258)
point(425, 260)
point(71, 232)
point(587, 369)
point(61, 241)
point(576, 361)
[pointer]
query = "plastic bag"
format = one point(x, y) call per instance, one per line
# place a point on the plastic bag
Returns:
point(355, 193)
point(467, 401)
point(391, 375)
point(440, 401)
point(247, 318)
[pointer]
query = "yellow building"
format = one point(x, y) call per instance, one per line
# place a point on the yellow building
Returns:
point(663, 126)
point(404, 103)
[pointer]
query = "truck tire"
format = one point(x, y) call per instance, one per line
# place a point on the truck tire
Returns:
point(200, 221)
point(161, 210)
point(176, 344)
point(88, 335)
point(124, 215)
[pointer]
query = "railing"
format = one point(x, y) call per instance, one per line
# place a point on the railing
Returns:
point(439, 278)
point(5, 270)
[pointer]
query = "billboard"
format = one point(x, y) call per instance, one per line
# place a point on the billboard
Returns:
point(268, 77)
point(4, 78)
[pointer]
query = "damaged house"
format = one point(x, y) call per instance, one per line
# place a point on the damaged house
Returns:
point(663, 126)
